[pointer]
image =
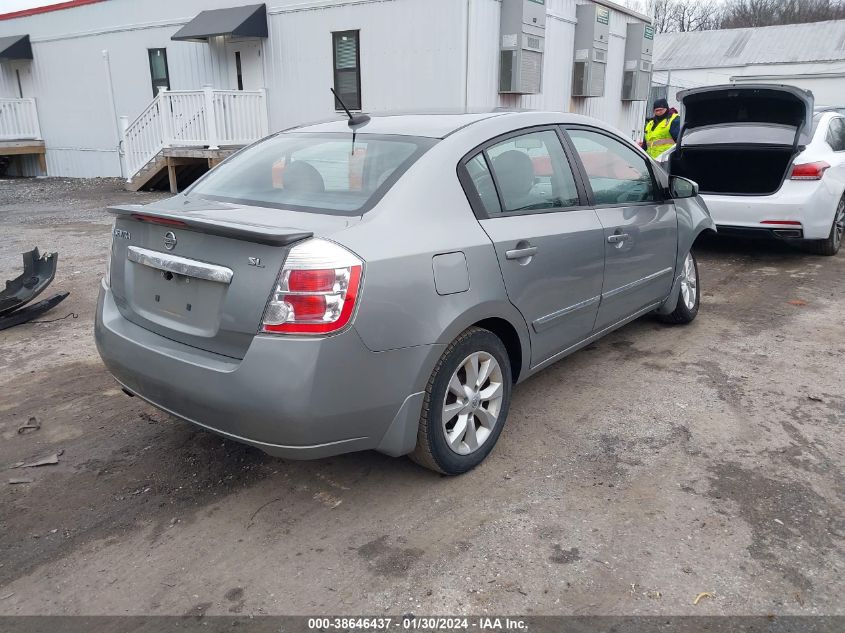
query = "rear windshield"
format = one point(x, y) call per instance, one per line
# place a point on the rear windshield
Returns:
point(323, 173)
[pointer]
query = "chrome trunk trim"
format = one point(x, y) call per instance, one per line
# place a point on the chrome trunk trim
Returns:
point(180, 265)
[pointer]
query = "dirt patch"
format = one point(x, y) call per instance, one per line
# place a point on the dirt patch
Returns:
point(122, 464)
point(657, 463)
point(389, 560)
point(565, 556)
point(792, 526)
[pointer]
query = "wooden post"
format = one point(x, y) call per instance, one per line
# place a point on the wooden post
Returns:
point(42, 162)
point(210, 118)
point(171, 176)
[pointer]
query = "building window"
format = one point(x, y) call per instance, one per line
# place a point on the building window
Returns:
point(239, 73)
point(347, 68)
point(158, 70)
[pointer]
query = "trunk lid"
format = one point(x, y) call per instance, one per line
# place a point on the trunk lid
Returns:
point(769, 114)
point(200, 272)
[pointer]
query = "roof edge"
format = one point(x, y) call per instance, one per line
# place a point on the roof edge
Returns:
point(623, 9)
point(59, 6)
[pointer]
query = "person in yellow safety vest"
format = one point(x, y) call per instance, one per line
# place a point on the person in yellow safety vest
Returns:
point(661, 131)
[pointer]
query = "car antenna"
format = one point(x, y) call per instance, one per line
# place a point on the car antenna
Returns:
point(354, 119)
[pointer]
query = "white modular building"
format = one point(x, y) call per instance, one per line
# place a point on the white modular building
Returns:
point(810, 56)
point(137, 89)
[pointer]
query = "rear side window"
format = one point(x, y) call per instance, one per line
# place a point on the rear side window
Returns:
point(482, 181)
point(323, 173)
point(836, 135)
point(532, 173)
point(617, 173)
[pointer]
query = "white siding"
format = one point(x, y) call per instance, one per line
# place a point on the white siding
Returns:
point(8, 83)
point(68, 74)
point(557, 68)
point(421, 55)
point(826, 80)
point(628, 116)
point(411, 57)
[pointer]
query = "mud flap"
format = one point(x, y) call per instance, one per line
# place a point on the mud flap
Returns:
point(668, 306)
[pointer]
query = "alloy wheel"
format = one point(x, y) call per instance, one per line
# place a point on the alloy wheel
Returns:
point(473, 402)
point(839, 224)
point(689, 282)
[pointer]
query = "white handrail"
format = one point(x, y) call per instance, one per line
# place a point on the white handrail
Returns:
point(194, 118)
point(19, 120)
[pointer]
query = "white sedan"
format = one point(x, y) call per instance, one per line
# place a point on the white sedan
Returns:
point(765, 162)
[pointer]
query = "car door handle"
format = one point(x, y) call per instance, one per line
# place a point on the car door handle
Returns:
point(618, 238)
point(521, 253)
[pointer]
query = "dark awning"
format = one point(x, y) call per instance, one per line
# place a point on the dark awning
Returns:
point(15, 47)
point(249, 21)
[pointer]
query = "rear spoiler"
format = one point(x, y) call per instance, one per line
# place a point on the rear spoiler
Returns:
point(259, 233)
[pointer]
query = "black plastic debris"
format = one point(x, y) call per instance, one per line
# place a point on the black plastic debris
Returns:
point(38, 273)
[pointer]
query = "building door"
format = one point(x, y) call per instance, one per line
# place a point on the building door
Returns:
point(246, 65)
point(22, 79)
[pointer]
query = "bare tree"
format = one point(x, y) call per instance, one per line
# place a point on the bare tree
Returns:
point(695, 15)
point(680, 15)
point(754, 13)
point(702, 15)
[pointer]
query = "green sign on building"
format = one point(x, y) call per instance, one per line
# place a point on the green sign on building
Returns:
point(602, 16)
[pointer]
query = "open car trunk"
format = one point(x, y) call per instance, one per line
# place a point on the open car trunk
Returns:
point(741, 140)
point(734, 170)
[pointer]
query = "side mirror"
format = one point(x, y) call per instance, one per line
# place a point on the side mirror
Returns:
point(682, 187)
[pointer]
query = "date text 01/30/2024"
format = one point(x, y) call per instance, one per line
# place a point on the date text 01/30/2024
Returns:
point(408, 623)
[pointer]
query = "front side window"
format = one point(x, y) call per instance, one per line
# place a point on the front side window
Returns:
point(322, 173)
point(158, 70)
point(618, 174)
point(347, 69)
point(533, 173)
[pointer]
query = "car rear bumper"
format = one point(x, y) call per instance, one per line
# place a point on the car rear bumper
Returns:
point(757, 232)
point(810, 203)
point(299, 398)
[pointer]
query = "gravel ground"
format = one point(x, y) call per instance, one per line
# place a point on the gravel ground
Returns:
point(652, 466)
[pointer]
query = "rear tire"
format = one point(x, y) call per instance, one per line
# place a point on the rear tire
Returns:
point(466, 404)
point(833, 243)
point(689, 296)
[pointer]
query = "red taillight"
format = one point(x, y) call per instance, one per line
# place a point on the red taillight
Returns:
point(307, 307)
point(809, 171)
point(311, 280)
point(154, 219)
point(317, 290)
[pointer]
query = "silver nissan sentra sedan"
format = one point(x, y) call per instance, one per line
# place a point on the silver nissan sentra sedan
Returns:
point(384, 283)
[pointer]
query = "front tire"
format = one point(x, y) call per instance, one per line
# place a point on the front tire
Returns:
point(832, 244)
point(466, 404)
point(689, 297)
